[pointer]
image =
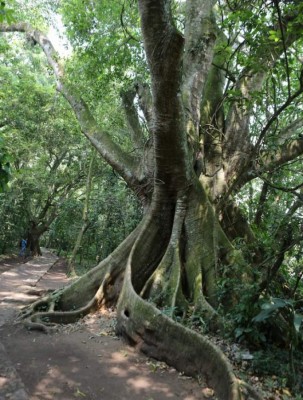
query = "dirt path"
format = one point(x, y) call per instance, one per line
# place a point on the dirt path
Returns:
point(84, 360)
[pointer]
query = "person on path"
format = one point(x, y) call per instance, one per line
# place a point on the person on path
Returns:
point(23, 245)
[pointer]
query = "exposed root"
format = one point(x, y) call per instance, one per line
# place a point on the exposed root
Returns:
point(43, 327)
point(35, 319)
point(158, 336)
point(164, 287)
point(100, 286)
point(139, 321)
point(248, 391)
point(47, 303)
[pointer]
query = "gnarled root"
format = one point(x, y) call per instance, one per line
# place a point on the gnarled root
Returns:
point(45, 313)
point(100, 286)
point(158, 336)
point(47, 320)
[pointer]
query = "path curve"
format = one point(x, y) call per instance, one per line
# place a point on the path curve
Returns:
point(85, 359)
point(16, 285)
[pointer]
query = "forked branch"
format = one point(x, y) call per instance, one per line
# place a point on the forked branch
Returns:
point(124, 164)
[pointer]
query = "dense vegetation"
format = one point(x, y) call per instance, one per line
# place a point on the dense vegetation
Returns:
point(208, 151)
point(45, 163)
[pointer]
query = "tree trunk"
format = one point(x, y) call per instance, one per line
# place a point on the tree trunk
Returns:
point(33, 238)
point(71, 267)
point(171, 260)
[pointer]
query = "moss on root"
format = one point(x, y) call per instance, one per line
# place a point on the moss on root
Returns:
point(158, 336)
point(139, 321)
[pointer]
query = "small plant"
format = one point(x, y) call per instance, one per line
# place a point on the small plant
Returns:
point(239, 320)
point(171, 312)
point(284, 311)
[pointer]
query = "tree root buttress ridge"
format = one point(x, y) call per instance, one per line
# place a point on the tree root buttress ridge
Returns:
point(139, 321)
point(158, 336)
point(100, 286)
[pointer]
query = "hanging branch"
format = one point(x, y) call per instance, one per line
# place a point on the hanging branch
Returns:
point(260, 207)
point(124, 27)
point(283, 189)
point(276, 2)
point(122, 162)
point(278, 112)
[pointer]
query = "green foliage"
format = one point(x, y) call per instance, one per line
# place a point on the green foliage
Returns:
point(239, 320)
point(42, 139)
point(39, 13)
point(272, 361)
point(50, 158)
point(197, 321)
point(286, 309)
point(63, 231)
point(252, 33)
point(6, 14)
point(113, 214)
point(107, 58)
point(5, 169)
point(106, 37)
point(284, 312)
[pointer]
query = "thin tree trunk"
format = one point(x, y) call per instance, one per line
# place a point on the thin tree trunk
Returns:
point(71, 266)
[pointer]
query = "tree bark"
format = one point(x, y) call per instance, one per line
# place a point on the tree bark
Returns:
point(33, 237)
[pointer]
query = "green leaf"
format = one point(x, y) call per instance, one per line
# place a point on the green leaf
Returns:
point(298, 322)
point(268, 309)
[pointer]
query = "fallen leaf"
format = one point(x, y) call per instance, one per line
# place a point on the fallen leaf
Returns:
point(208, 392)
point(103, 333)
point(286, 392)
point(78, 393)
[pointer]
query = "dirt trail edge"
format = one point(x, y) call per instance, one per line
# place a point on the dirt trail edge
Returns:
point(83, 360)
point(15, 286)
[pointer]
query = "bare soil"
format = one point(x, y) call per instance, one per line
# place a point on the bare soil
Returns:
point(86, 360)
point(7, 262)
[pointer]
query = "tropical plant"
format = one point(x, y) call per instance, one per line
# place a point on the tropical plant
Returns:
point(283, 316)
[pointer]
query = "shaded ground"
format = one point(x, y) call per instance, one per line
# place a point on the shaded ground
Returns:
point(83, 360)
point(7, 262)
point(86, 360)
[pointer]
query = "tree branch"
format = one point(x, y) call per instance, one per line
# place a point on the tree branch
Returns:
point(200, 37)
point(131, 114)
point(285, 153)
point(278, 112)
point(288, 131)
point(123, 163)
point(261, 203)
point(284, 189)
point(237, 122)
point(248, 171)
point(276, 3)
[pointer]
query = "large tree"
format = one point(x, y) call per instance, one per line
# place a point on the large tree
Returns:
point(213, 112)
